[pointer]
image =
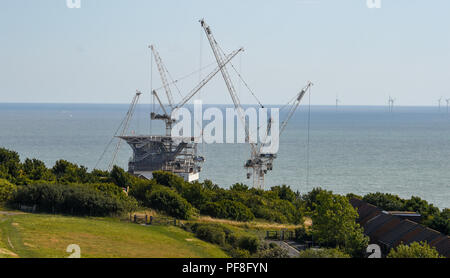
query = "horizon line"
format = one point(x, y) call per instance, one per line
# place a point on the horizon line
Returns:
point(245, 104)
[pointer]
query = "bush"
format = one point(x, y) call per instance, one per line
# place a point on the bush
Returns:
point(239, 253)
point(7, 190)
point(415, 250)
point(274, 252)
point(72, 199)
point(269, 214)
point(211, 234)
point(196, 194)
point(322, 253)
point(228, 209)
point(249, 243)
point(170, 202)
point(169, 179)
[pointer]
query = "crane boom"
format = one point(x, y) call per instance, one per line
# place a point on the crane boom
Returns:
point(207, 78)
point(294, 107)
point(162, 71)
point(226, 77)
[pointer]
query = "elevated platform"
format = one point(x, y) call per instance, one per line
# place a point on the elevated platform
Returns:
point(173, 154)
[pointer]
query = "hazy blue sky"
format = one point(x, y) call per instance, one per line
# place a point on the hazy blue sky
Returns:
point(99, 53)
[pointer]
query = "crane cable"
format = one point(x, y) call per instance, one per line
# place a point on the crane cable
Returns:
point(110, 142)
point(242, 79)
point(308, 137)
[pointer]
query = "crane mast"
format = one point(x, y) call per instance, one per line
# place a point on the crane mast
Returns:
point(226, 77)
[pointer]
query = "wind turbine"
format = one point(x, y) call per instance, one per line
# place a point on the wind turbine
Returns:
point(447, 101)
point(439, 103)
point(337, 102)
point(391, 104)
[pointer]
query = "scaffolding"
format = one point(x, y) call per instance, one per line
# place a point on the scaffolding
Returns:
point(172, 154)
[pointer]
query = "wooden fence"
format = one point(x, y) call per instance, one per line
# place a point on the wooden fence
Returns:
point(154, 220)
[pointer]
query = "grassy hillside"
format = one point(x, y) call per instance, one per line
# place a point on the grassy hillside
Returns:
point(47, 236)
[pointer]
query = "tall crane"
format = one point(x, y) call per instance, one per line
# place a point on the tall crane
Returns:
point(124, 126)
point(221, 61)
point(261, 161)
point(167, 115)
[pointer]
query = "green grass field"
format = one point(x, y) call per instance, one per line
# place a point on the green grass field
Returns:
point(47, 236)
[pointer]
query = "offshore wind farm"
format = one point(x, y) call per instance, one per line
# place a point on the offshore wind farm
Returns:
point(357, 149)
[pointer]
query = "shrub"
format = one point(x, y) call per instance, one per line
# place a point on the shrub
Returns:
point(415, 250)
point(169, 179)
point(196, 194)
point(239, 253)
point(274, 252)
point(211, 234)
point(323, 253)
point(269, 214)
point(228, 209)
point(249, 243)
point(214, 209)
point(170, 202)
point(72, 199)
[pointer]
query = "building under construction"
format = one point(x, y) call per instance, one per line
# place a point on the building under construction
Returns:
point(179, 154)
point(173, 154)
point(165, 152)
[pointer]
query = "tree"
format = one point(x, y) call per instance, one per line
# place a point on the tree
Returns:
point(120, 177)
point(169, 179)
point(196, 194)
point(7, 190)
point(284, 192)
point(67, 172)
point(36, 170)
point(334, 224)
point(9, 164)
point(385, 201)
point(415, 250)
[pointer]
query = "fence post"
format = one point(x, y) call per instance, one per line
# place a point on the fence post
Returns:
point(174, 221)
point(146, 218)
point(135, 218)
point(151, 219)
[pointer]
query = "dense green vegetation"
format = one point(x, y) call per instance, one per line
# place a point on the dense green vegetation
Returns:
point(323, 253)
point(415, 250)
point(68, 188)
point(238, 244)
point(431, 215)
point(92, 200)
point(335, 224)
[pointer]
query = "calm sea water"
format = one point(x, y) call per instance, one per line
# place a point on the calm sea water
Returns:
point(352, 149)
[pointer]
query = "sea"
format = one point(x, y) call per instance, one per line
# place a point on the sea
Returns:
point(357, 149)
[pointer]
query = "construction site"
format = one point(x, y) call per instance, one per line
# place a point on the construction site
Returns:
point(179, 154)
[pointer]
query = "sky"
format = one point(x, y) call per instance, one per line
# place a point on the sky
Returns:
point(99, 53)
